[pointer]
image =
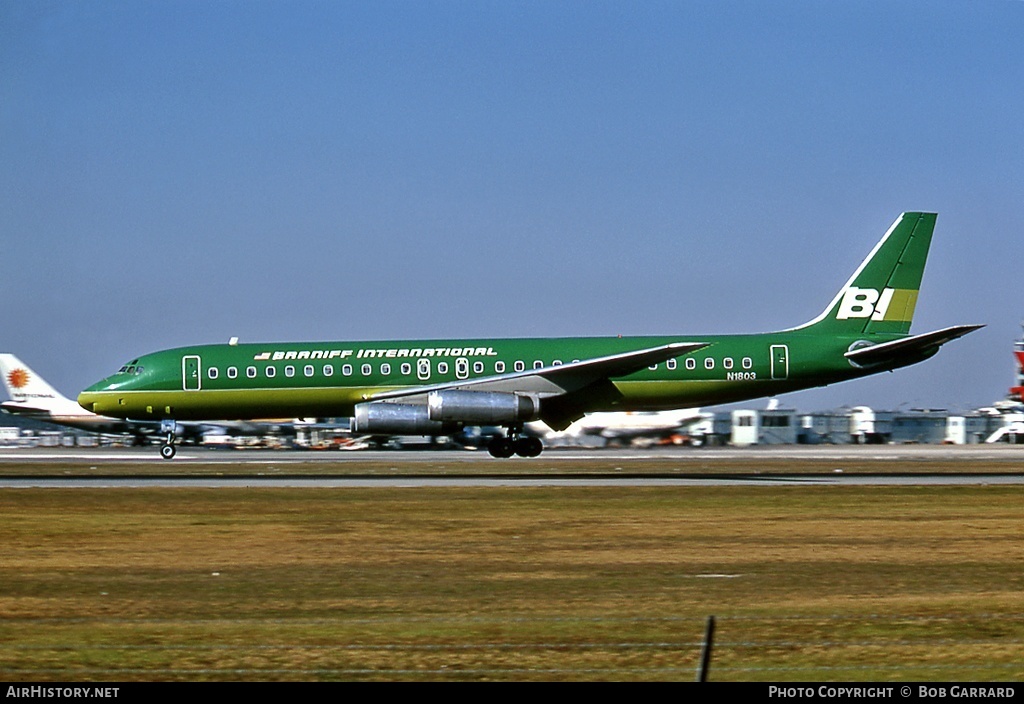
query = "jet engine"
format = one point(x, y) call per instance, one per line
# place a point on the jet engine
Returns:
point(482, 407)
point(445, 411)
point(394, 419)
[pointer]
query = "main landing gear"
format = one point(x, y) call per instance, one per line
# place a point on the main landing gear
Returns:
point(167, 450)
point(515, 444)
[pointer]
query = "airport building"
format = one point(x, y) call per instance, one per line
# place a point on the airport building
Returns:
point(29, 432)
point(860, 425)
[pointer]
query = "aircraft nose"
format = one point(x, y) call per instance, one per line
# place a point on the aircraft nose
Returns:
point(87, 400)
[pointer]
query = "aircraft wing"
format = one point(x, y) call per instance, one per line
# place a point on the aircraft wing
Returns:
point(914, 346)
point(566, 388)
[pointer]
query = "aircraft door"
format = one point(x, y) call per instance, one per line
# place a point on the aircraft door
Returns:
point(780, 361)
point(423, 368)
point(191, 379)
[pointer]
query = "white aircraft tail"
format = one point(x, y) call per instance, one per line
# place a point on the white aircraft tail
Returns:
point(29, 392)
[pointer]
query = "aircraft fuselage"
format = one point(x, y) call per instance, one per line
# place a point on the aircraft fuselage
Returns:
point(251, 381)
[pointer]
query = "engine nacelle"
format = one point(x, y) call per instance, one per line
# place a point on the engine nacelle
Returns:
point(481, 407)
point(394, 418)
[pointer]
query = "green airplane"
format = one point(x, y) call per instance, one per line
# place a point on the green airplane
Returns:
point(435, 387)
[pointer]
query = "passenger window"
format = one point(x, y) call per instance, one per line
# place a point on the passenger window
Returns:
point(461, 368)
point(499, 367)
point(328, 370)
point(537, 364)
point(346, 369)
point(747, 362)
point(709, 363)
point(271, 372)
point(671, 364)
point(385, 369)
point(289, 371)
point(308, 370)
point(250, 372)
point(519, 365)
point(442, 367)
point(367, 370)
point(727, 362)
point(232, 372)
point(406, 369)
point(212, 372)
point(478, 367)
point(691, 363)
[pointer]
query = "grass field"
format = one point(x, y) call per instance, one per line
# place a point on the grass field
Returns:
point(807, 583)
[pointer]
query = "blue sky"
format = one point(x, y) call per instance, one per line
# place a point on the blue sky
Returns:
point(177, 172)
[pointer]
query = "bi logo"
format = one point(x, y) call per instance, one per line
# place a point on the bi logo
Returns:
point(864, 303)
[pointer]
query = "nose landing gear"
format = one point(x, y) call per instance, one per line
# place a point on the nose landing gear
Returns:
point(167, 450)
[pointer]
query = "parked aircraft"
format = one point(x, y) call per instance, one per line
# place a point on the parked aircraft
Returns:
point(626, 426)
point(434, 387)
point(33, 397)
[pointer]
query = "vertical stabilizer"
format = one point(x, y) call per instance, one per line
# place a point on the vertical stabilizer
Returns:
point(30, 391)
point(881, 295)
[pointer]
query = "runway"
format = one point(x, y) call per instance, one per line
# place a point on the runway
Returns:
point(965, 453)
point(882, 465)
point(413, 482)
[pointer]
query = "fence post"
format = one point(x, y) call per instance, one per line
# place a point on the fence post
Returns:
point(705, 652)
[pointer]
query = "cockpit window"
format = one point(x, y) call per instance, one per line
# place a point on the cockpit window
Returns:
point(131, 368)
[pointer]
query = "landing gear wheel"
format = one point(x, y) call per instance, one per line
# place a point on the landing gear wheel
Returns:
point(500, 447)
point(167, 427)
point(528, 447)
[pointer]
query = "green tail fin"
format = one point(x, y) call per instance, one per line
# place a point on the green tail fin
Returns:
point(881, 295)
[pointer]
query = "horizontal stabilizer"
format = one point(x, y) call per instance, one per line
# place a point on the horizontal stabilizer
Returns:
point(20, 408)
point(908, 347)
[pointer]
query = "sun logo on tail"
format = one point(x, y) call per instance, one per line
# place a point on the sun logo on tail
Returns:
point(17, 378)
